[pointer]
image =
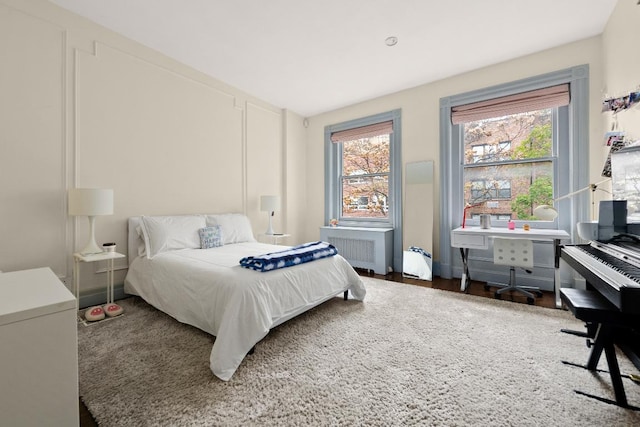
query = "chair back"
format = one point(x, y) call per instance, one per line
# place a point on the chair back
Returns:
point(513, 252)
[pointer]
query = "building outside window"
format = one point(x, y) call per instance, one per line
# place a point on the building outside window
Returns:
point(508, 160)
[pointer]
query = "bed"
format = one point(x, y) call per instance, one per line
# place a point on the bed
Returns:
point(207, 288)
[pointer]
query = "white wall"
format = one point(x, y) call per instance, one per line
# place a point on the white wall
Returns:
point(621, 64)
point(420, 117)
point(84, 107)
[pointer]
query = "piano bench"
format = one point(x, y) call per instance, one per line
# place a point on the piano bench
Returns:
point(590, 306)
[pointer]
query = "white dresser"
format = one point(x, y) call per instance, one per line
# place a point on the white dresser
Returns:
point(38, 350)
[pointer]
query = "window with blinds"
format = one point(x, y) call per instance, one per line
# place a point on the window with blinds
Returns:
point(508, 152)
point(365, 168)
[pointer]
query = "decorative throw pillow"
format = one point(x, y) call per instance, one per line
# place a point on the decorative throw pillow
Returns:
point(210, 237)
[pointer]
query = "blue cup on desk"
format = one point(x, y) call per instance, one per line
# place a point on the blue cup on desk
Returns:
point(485, 221)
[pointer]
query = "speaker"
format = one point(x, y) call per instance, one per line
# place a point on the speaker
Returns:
point(612, 219)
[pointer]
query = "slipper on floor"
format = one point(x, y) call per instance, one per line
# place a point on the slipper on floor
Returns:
point(94, 313)
point(113, 310)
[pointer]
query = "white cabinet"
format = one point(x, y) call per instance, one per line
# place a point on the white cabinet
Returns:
point(38, 350)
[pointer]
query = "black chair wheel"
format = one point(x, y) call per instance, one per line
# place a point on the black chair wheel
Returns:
point(530, 300)
point(539, 293)
point(497, 296)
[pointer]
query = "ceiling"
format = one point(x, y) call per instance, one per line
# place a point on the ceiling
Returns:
point(313, 56)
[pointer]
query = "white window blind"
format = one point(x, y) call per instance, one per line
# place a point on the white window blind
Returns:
point(550, 97)
point(382, 128)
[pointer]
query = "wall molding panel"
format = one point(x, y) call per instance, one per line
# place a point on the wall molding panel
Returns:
point(86, 107)
point(33, 137)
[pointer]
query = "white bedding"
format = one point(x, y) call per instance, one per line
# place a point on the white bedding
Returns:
point(208, 289)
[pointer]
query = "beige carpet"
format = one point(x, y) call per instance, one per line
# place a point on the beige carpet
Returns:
point(405, 356)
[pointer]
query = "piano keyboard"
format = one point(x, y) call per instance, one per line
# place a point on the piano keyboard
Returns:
point(616, 272)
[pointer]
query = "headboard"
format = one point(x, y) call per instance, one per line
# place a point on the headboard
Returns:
point(133, 239)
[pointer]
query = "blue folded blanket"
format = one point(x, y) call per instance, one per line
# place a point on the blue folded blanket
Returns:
point(289, 257)
point(420, 251)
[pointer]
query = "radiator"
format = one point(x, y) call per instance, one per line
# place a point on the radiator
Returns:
point(368, 248)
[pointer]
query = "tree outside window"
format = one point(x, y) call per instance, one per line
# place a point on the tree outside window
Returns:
point(365, 177)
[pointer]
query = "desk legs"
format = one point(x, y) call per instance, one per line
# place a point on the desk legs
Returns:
point(465, 279)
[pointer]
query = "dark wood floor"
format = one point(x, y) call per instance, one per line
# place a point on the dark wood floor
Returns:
point(453, 285)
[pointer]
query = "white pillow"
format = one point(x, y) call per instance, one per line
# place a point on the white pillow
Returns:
point(168, 233)
point(142, 247)
point(236, 228)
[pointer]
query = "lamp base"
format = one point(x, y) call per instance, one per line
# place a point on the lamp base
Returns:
point(91, 249)
point(269, 231)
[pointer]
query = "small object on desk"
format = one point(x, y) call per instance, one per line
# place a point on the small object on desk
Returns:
point(526, 227)
point(109, 247)
point(511, 225)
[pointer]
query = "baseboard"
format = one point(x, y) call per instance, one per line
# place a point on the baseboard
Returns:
point(100, 297)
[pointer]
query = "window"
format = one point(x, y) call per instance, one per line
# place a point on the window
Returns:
point(508, 162)
point(363, 155)
point(487, 152)
point(363, 174)
point(365, 177)
point(509, 159)
point(484, 189)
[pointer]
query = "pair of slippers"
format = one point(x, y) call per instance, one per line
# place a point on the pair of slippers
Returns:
point(98, 313)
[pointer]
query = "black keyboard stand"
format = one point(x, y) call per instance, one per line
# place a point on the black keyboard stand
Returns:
point(602, 319)
point(590, 333)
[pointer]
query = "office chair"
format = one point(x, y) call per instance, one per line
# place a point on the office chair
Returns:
point(514, 253)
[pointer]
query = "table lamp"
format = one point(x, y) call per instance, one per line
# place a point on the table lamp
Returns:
point(549, 213)
point(90, 202)
point(269, 204)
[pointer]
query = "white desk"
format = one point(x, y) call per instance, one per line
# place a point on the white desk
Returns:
point(478, 238)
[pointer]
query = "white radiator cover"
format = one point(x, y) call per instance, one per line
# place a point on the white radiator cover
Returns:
point(368, 248)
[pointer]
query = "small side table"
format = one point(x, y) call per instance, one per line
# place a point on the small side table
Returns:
point(110, 306)
point(275, 238)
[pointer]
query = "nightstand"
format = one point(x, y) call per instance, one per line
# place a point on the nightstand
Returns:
point(275, 238)
point(109, 257)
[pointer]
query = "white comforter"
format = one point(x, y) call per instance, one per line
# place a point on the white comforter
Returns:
point(208, 289)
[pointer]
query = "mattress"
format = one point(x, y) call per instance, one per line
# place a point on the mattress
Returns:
point(208, 289)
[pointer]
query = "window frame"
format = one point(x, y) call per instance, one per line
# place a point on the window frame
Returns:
point(333, 183)
point(572, 143)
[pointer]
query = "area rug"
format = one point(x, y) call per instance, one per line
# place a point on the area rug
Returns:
point(407, 355)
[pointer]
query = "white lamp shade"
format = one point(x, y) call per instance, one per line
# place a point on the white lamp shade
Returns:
point(545, 213)
point(269, 203)
point(90, 202)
